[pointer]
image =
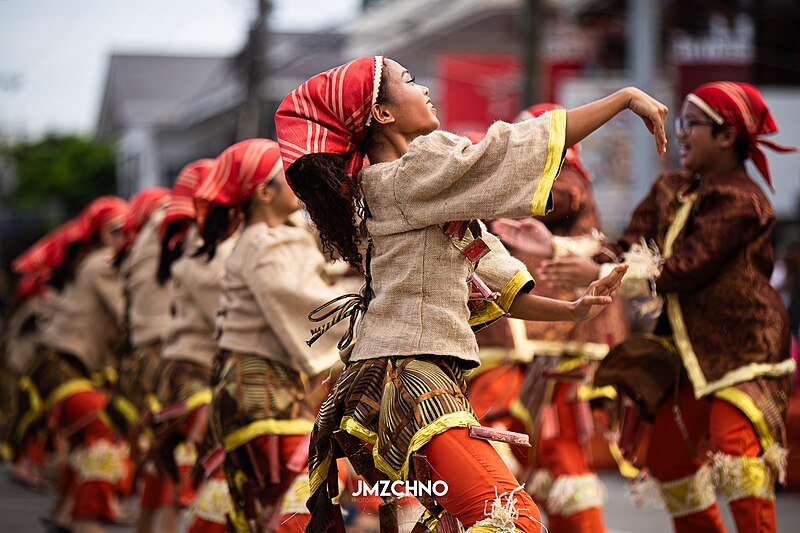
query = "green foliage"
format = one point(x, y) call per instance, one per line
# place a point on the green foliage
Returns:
point(69, 169)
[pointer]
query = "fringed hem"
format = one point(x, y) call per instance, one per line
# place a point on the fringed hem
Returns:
point(213, 502)
point(570, 495)
point(740, 477)
point(502, 514)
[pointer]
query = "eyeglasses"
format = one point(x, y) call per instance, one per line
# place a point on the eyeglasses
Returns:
point(684, 125)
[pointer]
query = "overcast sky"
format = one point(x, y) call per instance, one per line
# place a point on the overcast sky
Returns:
point(54, 53)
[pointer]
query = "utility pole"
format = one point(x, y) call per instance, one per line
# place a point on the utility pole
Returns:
point(644, 30)
point(255, 69)
point(532, 46)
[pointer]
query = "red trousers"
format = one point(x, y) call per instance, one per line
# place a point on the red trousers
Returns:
point(473, 470)
point(492, 392)
point(728, 431)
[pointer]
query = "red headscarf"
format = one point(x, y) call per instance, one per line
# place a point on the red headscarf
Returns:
point(330, 113)
point(142, 206)
point(44, 254)
point(102, 213)
point(741, 106)
point(235, 175)
point(181, 203)
point(573, 156)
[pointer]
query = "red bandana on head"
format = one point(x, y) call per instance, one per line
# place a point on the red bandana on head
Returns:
point(45, 254)
point(573, 156)
point(330, 113)
point(181, 203)
point(741, 106)
point(141, 207)
point(104, 212)
point(235, 175)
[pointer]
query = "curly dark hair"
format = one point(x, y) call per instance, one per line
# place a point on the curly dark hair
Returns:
point(331, 196)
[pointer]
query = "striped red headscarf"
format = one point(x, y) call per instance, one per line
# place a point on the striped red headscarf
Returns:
point(330, 113)
point(573, 156)
point(741, 106)
point(105, 212)
point(45, 254)
point(142, 206)
point(235, 174)
point(181, 203)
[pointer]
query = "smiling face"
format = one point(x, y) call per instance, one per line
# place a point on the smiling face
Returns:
point(409, 110)
point(700, 151)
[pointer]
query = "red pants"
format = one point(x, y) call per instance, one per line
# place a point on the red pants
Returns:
point(95, 494)
point(730, 432)
point(492, 392)
point(472, 470)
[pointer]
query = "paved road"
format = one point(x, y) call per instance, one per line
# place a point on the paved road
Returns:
point(20, 509)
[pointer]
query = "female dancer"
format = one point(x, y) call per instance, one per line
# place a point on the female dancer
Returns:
point(403, 390)
point(77, 344)
point(260, 410)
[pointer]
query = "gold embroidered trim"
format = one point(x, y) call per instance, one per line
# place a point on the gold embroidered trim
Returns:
point(742, 477)
point(690, 494)
point(100, 461)
point(570, 495)
point(213, 502)
point(552, 166)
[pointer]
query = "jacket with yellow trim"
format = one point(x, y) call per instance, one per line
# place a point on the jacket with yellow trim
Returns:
point(719, 269)
point(418, 276)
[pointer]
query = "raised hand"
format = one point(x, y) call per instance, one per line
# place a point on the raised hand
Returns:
point(652, 112)
point(598, 295)
point(528, 236)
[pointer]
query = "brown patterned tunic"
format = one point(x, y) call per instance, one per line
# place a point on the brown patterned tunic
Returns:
point(716, 277)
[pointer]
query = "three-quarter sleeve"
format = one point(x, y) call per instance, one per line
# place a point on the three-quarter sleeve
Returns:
point(509, 173)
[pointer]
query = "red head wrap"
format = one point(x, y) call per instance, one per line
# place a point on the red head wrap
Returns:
point(741, 107)
point(181, 203)
point(104, 212)
point(573, 157)
point(45, 254)
point(235, 175)
point(330, 113)
point(142, 206)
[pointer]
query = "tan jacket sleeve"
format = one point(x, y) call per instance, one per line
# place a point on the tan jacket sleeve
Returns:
point(510, 173)
point(287, 286)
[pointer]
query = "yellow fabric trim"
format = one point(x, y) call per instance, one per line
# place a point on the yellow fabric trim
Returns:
point(126, 408)
point(749, 373)
point(488, 314)
point(317, 477)
point(624, 466)
point(568, 365)
point(357, 430)
point(587, 393)
point(552, 166)
point(152, 403)
point(512, 288)
point(36, 410)
point(690, 494)
point(460, 419)
point(746, 405)
point(202, 397)
point(297, 426)
point(488, 528)
point(67, 389)
point(6, 452)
